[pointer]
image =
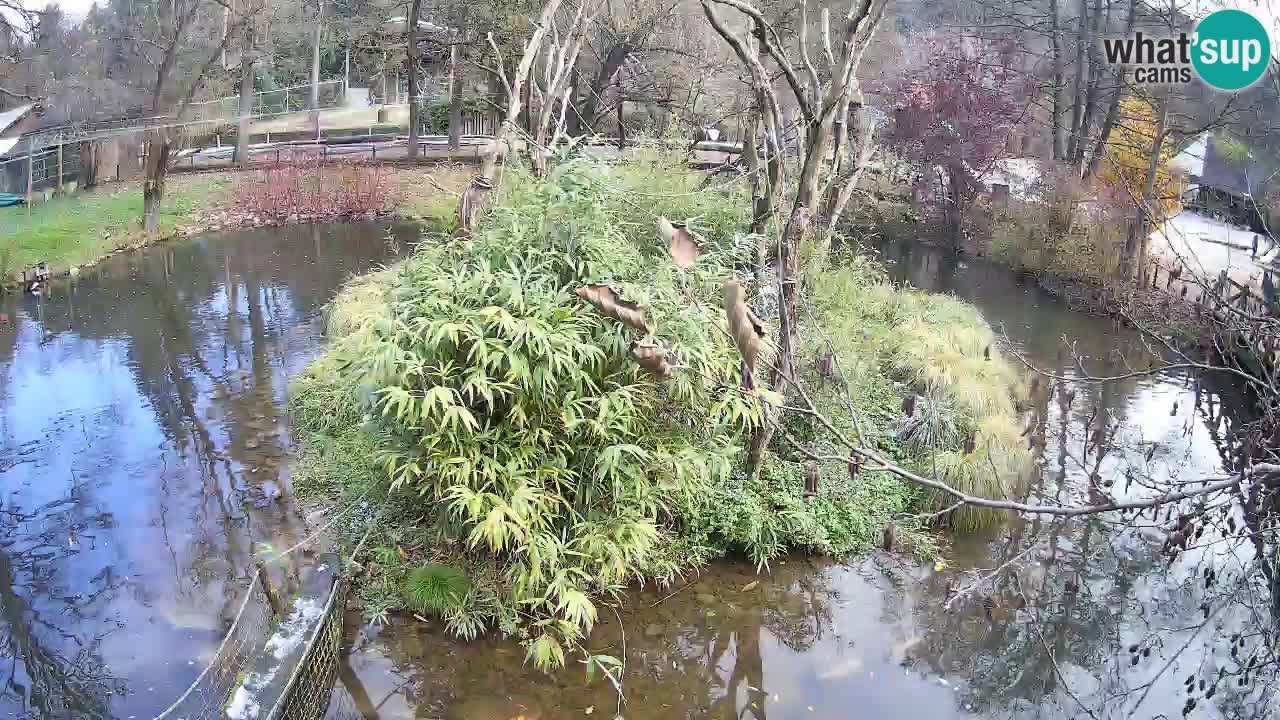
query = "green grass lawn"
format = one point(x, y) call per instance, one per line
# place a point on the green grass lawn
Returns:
point(82, 227)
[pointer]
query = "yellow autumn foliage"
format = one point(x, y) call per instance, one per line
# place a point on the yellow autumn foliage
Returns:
point(1128, 158)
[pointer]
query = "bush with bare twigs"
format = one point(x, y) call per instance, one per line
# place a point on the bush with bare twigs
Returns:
point(311, 190)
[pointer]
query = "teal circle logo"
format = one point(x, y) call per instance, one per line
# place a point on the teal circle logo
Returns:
point(1231, 50)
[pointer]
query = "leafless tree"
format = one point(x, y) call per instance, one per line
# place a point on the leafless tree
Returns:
point(824, 99)
point(169, 42)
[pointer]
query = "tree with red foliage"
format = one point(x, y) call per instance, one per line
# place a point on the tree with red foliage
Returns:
point(953, 118)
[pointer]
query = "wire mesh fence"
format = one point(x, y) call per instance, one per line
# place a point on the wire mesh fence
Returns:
point(330, 94)
point(301, 693)
point(307, 695)
point(51, 167)
point(207, 696)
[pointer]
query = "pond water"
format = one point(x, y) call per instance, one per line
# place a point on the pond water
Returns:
point(143, 449)
point(144, 452)
point(875, 637)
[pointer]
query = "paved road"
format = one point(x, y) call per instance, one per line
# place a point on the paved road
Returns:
point(1207, 247)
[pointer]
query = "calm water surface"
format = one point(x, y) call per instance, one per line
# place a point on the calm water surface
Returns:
point(143, 449)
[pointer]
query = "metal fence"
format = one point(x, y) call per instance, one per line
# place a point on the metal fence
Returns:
point(48, 168)
point(207, 696)
point(302, 694)
point(297, 98)
point(306, 697)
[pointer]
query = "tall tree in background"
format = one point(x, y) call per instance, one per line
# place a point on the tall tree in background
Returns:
point(513, 84)
point(627, 29)
point(412, 62)
point(183, 40)
point(1088, 162)
point(17, 22)
point(314, 104)
point(554, 85)
point(247, 57)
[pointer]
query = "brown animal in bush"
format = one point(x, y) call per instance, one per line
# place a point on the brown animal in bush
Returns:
point(747, 330)
point(470, 204)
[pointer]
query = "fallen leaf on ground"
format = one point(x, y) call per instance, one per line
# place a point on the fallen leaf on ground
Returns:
point(751, 586)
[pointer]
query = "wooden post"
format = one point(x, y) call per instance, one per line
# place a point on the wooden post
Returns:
point(31, 159)
point(59, 165)
point(265, 581)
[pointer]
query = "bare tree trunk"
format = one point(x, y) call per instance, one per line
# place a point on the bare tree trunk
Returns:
point(1136, 246)
point(561, 62)
point(526, 108)
point(1091, 92)
point(818, 111)
point(315, 69)
point(622, 125)
point(165, 99)
point(575, 124)
point(609, 67)
point(794, 233)
point(1059, 89)
point(88, 164)
point(765, 204)
point(474, 197)
point(1113, 109)
point(1078, 87)
point(751, 158)
point(156, 169)
point(455, 95)
point(851, 170)
point(246, 98)
point(1104, 134)
point(411, 67)
point(954, 204)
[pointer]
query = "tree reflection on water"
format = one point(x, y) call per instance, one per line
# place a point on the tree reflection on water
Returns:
point(143, 453)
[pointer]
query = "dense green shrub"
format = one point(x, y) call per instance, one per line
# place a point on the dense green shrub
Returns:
point(436, 588)
point(500, 395)
point(435, 115)
point(940, 348)
point(517, 439)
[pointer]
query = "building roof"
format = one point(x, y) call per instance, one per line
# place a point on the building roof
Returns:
point(9, 117)
point(1242, 178)
point(1191, 159)
point(1020, 175)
